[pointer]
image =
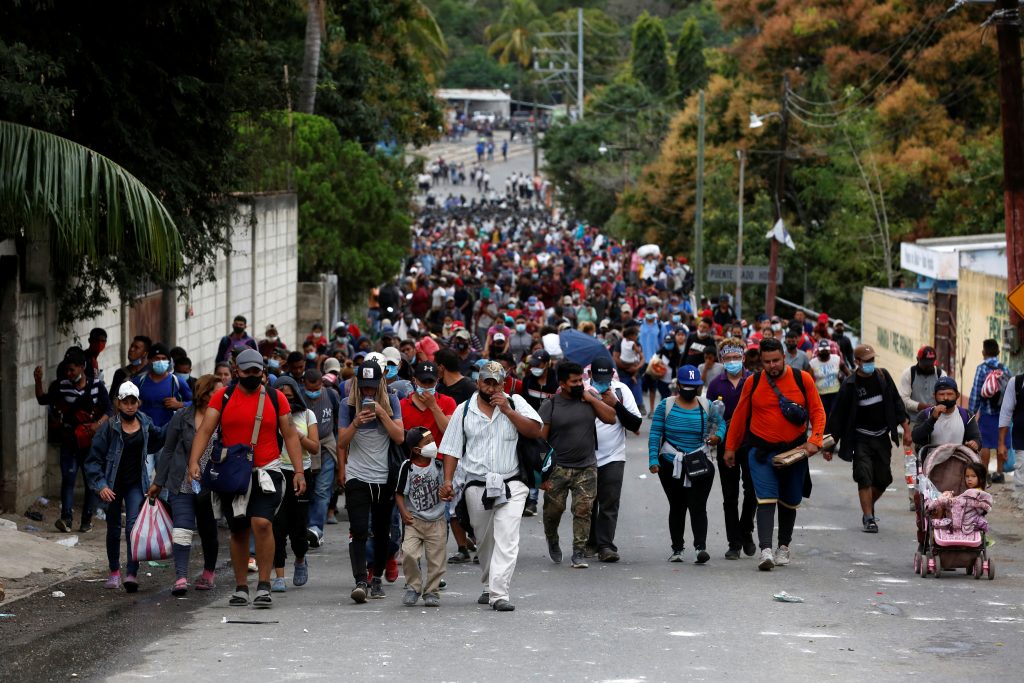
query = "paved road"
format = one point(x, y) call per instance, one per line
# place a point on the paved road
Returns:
point(866, 616)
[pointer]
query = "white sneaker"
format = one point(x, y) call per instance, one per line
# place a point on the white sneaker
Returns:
point(782, 556)
point(767, 560)
point(675, 556)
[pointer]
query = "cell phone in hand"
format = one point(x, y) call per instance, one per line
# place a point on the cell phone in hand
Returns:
point(369, 404)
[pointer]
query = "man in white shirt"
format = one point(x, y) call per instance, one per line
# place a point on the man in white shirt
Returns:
point(611, 457)
point(482, 436)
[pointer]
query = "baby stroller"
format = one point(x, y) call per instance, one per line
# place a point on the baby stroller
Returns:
point(941, 468)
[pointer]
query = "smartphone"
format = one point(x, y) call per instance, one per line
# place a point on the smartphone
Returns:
point(368, 404)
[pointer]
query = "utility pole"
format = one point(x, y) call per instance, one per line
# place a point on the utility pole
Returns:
point(698, 228)
point(780, 174)
point(738, 303)
point(1012, 114)
point(579, 63)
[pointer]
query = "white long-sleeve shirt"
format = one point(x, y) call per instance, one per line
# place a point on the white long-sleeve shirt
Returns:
point(1009, 404)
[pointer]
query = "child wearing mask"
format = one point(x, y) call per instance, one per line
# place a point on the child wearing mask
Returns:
point(417, 496)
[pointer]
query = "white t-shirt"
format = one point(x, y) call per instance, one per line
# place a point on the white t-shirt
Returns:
point(826, 374)
point(302, 423)
point(611, 439)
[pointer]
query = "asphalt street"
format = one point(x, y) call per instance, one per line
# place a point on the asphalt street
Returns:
point(865, 615)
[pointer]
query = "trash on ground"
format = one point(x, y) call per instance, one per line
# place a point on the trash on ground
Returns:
point(7, 616)
point(34, 515)
point(783, 596)
point(162, 565)
point(43, 501)
point(92, 580)
point(225, 620)
point(68, 541)
point(29, 527)
point(149, 573)
point(57, 594)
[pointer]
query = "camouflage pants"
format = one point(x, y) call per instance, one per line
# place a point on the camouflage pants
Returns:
point(582, 482)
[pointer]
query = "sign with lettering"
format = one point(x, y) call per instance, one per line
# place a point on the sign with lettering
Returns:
point(752, 275)
point(938, 265)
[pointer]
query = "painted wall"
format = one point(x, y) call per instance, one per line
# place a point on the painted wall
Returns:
point(896, 323)
point(982, 312)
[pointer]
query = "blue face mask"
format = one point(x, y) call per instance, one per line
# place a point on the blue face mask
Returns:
point(868, 368)
point(310, 356)
point(182, 377)
point(426, 390)
point(274, 363)
point(734, 367)
point(520, 327)
point(161, 367)
point(313, 394)
point(670, 345)
point(676, 318)
point(392, 372)
point(476, 376)
point(600, 387)
point(137, 361)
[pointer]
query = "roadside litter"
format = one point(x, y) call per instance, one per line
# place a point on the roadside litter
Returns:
point(57, 594)
point(69, 542)
point(225, 620)
point(786, 597)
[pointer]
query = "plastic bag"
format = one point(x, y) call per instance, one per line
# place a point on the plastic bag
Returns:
point(151, 535)
point(927, 488)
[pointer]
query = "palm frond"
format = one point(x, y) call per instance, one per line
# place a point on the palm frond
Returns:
point(92, 206)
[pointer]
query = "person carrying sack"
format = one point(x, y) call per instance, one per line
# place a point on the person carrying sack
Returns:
point(767, 424)
point(254, 420)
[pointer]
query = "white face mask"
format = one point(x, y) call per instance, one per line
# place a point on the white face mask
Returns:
point(429, 451)
point(536, 372)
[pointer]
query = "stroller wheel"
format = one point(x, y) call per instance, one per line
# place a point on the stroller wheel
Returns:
point(938, 565)
point(991, 571)
point(979, 565)
point(917, 563)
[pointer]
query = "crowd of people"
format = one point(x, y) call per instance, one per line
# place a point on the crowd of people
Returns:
point(465, 394)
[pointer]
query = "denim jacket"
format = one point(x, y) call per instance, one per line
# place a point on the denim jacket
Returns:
point(105, 454)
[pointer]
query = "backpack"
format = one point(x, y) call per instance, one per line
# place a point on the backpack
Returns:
point(175, 387)
point(994, 385)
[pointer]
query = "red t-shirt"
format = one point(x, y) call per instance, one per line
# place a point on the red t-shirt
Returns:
point(236, 424)
point(414, 417)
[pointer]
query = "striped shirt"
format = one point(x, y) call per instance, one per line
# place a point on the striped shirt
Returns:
point(681, 429)
point(490, 442)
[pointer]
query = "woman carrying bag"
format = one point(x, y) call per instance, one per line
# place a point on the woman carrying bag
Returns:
point(683, 427)
point(117, 470)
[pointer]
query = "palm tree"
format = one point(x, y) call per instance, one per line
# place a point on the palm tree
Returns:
point(311, 55)
point(517, 32)
point(426, 39)
point(87, 205)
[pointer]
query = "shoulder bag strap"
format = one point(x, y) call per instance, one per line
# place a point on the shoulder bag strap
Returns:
point(775, 388)
point(259, 418)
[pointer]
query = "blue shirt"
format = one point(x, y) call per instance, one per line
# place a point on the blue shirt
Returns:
point(977, 403)
point(152, 394)
point(651, 337)
point(681, 430)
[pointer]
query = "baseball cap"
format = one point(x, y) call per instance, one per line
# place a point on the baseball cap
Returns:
point(413, 438)
point(377, 357)
point(863, 351)
point(332, 365)
point(689, 376)
point(837, 323)
point(946, 382)
point(626, 309)
point(601, 369)
point(369, 374)
point(425, 371)
point(492, 370)
point(127, 389)
point(499, 337)
point(462, 333)
point(823, 344)
point(249, 359)
point(160, 349)
point(387, 331)
point(926, 353)
point(392, 355)
point(567, 300)
point(539, 357)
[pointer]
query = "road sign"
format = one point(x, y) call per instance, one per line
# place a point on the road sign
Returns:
point(752, 275)
point(1016, 299)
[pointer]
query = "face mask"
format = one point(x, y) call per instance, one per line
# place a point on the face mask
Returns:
point(536, 372)
point(310, 356)
point(520, 327)
point(313, 394)
point(182, 377)
point(600, 387)
point(576, 393)
point(125, 417)
point(296, 405)
point(949, 404)
point(926, 371)
point(76, 379)
point(670, 345)
point(688, 393)
point(651, 318)
point(136, 362)
point(476, 376)
point(429, 451)
point(868, 368)
point(274, 363)
point(776, 327)
point(462, 346)
point(161, 367)
point(825, 355)
point(392, 372)
point(676, 318)
point(238, 330)
point(791, 346)
point(272, 338)
point(702, 335)
point(424, 391)
point(250, 382)
point(734, 367)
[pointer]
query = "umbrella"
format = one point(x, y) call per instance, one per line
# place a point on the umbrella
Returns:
point(581, 348)
point(649, 250)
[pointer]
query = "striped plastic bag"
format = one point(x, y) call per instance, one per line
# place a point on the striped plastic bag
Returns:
point(151, 535)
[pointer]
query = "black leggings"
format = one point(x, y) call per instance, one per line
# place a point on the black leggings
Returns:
point(362, 500)
point(682, 499)
point(290, 521)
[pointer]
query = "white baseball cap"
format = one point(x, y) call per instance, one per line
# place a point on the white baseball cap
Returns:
point(127, 389)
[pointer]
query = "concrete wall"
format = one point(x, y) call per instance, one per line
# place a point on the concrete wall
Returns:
point(982, 313)
point(267, 227)
point(896, 323)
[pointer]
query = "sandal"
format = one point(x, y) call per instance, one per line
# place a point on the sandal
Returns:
point(239, 598)
point(180, 587)
point(262, 599)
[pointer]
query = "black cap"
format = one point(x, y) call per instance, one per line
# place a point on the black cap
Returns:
point(425, 371)
point(413, 438)
point(159, 349)
point(792, 333)
point(539, 357)
point(601, 369)
point(369, 374)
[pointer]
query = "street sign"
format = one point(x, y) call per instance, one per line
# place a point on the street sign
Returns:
point(752, 275)
point(1016, 299)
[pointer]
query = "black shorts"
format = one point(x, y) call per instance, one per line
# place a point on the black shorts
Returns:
point(872, 462)
point(262, 504)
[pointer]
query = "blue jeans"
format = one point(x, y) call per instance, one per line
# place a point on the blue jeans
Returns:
point(322, 489)
point(132, 502)
point(72, 460)
point(634, 386)
point(195, 513)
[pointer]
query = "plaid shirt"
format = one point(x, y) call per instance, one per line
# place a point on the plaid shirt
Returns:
point(977, 404)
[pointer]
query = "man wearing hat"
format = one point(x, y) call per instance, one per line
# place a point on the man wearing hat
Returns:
point(946, 421)
point(611, 456)
point(483, 439)
point(828, 371)
point(424, 407)
point(917, 383)
point(845, 345)
point(160, 391)
point(865, 422)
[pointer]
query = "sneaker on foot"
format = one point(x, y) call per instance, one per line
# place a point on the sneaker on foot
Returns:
point(531, 508)
point(554, 551)
point(870, 524)
point(432, 600)
point(589, 550)
point(180, 587)
point(359, 592)
point(331, 519)
point(998, 478)
point(314, 537)
point(702, 556)
point(205, 581)
point(578, 561)
point(278, 585)
point(484, 599)
point(131, 584)
point(782, 556)
point(300, 574)
point(442, 585)
point(749, 547)
point(767, 560)
point(503, 606)
point(732, 554)
point(391, 570)
point(376, 589)
point(676, 556)
point(607, 555)
point(252, 565)
point(63, 525)
point(85, 528)
point(410, 598)
point(114, 581)
point(461, 556)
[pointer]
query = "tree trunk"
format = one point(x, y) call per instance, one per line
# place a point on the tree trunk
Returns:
point(311, 57)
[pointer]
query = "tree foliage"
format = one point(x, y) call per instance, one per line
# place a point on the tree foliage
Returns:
point(517, 33)
point(691, 68)
point(649, 59)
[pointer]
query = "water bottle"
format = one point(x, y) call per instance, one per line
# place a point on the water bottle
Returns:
point(717, 414)
point(910, 468)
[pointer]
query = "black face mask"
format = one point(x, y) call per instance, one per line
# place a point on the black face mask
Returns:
point(462, 346)
point(576, 393)
point(688, 393)
point(297, 406)
point(239, 331)
point(926, 371)
point(791, 346)
point(949, 404)
point(824, 355)
point(125, 417)
point(250, 382)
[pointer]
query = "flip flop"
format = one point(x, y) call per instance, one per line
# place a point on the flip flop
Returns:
point(239, 599)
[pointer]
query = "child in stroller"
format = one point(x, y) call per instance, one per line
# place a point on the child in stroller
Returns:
point(966, 512)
